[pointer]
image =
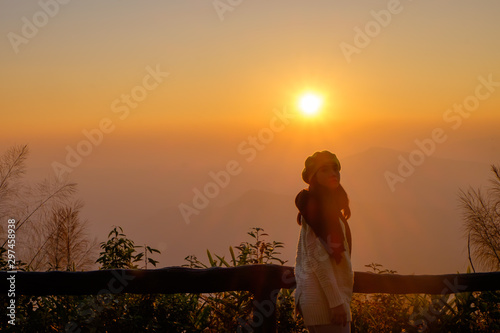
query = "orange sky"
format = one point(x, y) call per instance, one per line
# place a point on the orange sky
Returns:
point(183, 85)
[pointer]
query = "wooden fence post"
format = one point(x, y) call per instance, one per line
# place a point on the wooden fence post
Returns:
point(264, 310)
point(263, 281)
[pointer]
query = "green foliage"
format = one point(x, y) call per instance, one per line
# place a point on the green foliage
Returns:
point(120, 252)
point(112, 313)
point(231, 311)
point(482, 223)
point(287, 319)
point(260, 252)
point(5, 264)
point(461, 312)
point(3, 261)
point(148, 249)
point(381, 312)
point(27, 204)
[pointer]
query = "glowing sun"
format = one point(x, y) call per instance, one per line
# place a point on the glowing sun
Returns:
point(310, 104)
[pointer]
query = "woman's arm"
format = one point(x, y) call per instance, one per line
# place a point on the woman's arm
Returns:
point(338, 315)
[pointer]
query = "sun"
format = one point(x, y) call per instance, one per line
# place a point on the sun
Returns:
point(310, 104)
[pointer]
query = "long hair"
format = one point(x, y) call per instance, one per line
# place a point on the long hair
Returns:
point(340, 198)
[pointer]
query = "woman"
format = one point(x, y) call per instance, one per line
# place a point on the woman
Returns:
point(323, 268)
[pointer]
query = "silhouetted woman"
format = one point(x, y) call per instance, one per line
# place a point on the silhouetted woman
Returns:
point(323, 268)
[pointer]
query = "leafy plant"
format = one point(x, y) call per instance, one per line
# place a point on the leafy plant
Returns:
point(231, 311)
point(460, 312)
point(381, 312)
point(482, 223)
point(120, 252)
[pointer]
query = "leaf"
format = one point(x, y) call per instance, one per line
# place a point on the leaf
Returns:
point(233, 258)
point(222, 261)
point(153, 262)
point(151, 250)
point(212, 262)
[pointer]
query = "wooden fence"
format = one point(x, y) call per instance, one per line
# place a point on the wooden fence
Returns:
point(264, 281)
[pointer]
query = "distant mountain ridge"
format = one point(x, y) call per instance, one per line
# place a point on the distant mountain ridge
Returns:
point(415, 229)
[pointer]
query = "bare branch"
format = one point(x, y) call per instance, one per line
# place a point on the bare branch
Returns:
point(482, 222)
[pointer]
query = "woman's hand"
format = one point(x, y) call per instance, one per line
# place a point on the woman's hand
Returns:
point(338, 315)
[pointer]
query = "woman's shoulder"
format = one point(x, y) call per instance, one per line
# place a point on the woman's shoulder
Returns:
point(302, 198)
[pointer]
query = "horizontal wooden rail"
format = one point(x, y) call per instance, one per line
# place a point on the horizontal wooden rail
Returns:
point(253, 278)
point(168, 280)
point(264, 281)
point(370, 283)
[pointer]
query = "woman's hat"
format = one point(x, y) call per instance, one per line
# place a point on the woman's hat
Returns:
point(316, 161)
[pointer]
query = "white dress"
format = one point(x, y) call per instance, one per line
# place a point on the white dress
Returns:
point(322, 284)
